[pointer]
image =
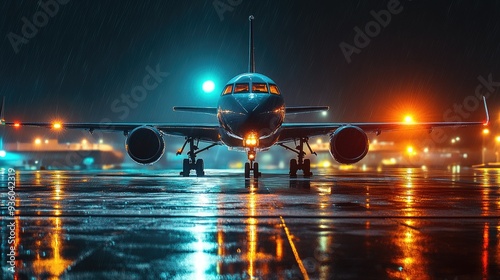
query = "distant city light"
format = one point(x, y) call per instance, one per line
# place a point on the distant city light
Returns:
point(324, 113)
point(208, 86)
point(57, 125)
point(38, 141)
point(486, 131)
point(497, 139)
point(410, 150)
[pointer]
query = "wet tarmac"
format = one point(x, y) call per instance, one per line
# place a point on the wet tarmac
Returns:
point(137, 224)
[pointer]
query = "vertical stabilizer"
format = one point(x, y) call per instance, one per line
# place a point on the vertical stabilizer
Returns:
point(251, 59)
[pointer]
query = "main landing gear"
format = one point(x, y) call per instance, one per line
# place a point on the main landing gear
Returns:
point(252, 166)
point(300, 163)
point(191, 163)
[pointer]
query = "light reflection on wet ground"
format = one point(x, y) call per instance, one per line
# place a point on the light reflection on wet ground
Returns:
point(396, 224)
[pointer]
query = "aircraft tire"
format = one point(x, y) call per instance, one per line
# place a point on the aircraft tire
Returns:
point(247, 170)
point(185, 167)
point(200, 166)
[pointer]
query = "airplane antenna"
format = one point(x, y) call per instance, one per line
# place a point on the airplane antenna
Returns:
point(251, 62)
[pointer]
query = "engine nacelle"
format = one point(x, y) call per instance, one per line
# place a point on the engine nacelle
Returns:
point(349, 144)
point(145, 145)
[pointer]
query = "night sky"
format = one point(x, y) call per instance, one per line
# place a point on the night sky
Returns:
point(87, 54)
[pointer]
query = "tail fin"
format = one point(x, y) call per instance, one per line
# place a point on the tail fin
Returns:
point(251, 49)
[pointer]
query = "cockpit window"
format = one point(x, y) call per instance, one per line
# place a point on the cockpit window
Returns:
point(274, 89)
point(227, 90)
point(241, 88)
point(259, 87)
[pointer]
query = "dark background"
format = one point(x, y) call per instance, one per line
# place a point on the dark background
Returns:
point(428, 58)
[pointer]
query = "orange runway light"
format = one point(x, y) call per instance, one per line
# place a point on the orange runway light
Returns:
point(17, 125)
point(408, 119)
point(57, 125)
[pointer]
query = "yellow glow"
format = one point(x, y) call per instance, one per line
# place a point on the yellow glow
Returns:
point(38, 141)
point(17, 124)
point(251, 139)
point(325, 164)
point(409, 119)
point(486, 131)
point(409, 149)
point(497, 139)
point(57, 125)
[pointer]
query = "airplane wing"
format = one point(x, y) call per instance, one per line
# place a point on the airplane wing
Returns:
point(305, 109)
point(293, 131)
point(204, 132)
point(203, 110)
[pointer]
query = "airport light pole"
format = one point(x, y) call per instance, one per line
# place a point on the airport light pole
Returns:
point(483, 149)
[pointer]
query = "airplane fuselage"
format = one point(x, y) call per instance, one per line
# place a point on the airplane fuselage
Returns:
point(250, 106)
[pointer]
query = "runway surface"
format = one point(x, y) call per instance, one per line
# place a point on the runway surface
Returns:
point(138, 224)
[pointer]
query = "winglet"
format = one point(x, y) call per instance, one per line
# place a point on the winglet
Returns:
point(2, 106)
point(487, 113)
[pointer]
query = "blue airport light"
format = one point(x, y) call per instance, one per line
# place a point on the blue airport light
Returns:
point(208, 86)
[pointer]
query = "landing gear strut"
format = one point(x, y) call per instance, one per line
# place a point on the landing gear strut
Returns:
point(191, 163)
point(252, 166)
point(300, 163)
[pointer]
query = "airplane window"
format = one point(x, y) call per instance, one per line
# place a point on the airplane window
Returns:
point(240, 88)
point(227, 90)
point(274, 89)
point(259, 87)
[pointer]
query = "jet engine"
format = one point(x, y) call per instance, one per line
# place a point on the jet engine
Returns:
point(348, 144)
point(145, 145)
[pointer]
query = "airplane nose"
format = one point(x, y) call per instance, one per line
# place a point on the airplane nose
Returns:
point(254, 104)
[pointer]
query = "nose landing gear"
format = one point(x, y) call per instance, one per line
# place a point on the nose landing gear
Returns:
point(252, 166)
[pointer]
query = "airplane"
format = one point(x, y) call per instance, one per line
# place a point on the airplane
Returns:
point(251, 115)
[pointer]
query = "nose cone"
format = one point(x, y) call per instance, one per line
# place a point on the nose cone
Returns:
point(260, 113)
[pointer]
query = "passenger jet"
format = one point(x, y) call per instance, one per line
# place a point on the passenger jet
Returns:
point(251, 113)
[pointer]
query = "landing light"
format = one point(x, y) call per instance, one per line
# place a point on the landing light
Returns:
point(251, 140)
